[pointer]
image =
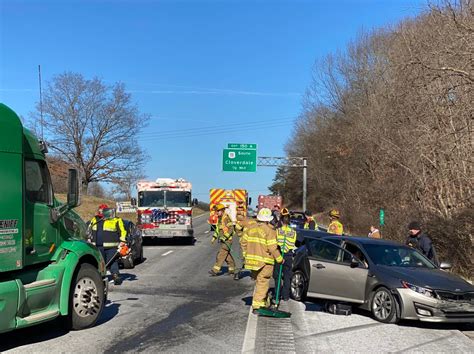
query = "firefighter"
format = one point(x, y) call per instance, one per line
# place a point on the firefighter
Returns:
point(109, 235)
point(223, 233)
point(335, 226)
point(242, 224)
point(286, 239)
point(310, 223)
point(212, 219)
point(259, 246)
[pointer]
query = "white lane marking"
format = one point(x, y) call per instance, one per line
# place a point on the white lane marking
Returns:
point(199, 216)
point(250, 333)
point(167, 253)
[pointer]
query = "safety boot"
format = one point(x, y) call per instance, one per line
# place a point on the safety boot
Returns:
point(117, 279)
point(237, 276)
point(212, 273)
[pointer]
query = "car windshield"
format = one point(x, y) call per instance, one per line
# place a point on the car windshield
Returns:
point(178, 199)
point(151, 199)
point(397, 256)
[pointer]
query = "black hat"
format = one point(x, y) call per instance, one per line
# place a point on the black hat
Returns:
point(414, 225)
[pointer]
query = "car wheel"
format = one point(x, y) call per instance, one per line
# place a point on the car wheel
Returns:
point(128, 262)
point(299, 286)
point(384, 306)
point(87, 298)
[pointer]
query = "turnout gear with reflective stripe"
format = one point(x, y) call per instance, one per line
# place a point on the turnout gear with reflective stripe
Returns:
point(224, 228)
point(286, 238)
point(310, 224)
point(335, 227)
point(107, 233)
point(262, 284)
point(224, 255)
point(242, 225)
point(259, 246)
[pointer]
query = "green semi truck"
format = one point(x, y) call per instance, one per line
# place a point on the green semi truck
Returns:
point(47, 269)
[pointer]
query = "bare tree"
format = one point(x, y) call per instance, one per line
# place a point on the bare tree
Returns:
point(124, 186)
point(94, 127)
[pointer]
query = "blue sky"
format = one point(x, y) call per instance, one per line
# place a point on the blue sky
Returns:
point(193, 65)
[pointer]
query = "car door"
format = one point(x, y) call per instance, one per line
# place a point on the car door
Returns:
point(331, 274)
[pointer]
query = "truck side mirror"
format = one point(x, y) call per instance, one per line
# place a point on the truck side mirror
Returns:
point(73, 189)
point(195, 202)
point(249, 201)
point(133, 201)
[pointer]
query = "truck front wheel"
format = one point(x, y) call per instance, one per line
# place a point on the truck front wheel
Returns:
point(86, 298)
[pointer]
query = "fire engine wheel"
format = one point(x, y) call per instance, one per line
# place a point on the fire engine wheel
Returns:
point(87, 297)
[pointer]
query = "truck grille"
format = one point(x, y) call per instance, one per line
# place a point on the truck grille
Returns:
point(461, 297)
point(164, 217)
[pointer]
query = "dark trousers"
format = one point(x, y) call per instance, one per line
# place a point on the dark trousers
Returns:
point(108, 253)
point(287, 273)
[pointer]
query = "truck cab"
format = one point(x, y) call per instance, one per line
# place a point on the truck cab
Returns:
point(47, 269)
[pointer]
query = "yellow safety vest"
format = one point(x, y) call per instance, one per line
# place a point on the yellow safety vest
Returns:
point(286, 238)
point(335, 227)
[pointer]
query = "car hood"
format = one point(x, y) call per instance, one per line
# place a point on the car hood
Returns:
point(428, 278)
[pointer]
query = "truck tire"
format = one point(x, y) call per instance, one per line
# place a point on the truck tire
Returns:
point(87, 298)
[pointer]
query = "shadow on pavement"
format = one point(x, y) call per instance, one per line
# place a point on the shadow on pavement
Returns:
point(49, 330)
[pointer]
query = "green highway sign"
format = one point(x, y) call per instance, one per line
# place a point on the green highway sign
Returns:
point(239, 160)
point(242, 146)
point(382, 217)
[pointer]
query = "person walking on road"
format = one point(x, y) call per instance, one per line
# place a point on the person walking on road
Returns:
point(223, 234)
point(242, 224)
point(421, 241)
point(310, 223)
point(286, 239)
point(259, 246)
point(335, 226)
point(374, 232)
point(108, 234)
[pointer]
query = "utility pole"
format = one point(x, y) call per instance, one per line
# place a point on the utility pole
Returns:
point(41, 102)
point(298, 162)
point(305, 189)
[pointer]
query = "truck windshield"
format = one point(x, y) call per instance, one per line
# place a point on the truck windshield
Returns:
point(151, 199)
point(178, 199)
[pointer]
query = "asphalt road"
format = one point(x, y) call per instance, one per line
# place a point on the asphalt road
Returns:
point(170, 304)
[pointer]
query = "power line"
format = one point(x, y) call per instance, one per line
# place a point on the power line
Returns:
point(227, 126)
point(211, 132)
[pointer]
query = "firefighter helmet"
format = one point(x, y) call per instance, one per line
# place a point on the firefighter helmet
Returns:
point(334, 213)
point(284, 212)
point(220, 207)
point(265, 214)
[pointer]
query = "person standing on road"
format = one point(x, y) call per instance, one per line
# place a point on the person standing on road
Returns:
point(335, 226)
point(421, 241)
point(374, 232)
point(276, 216)
point(286, 239)
point(310, 223)
point(213, 219)
point(223, 234)
point(109, 235)
point(259, 246)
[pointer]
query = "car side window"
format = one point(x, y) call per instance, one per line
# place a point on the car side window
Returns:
point(323, 250)
point(37, 182)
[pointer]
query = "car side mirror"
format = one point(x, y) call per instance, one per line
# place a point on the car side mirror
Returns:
point(73, 189)
point(445, 265)
point(354, 263)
